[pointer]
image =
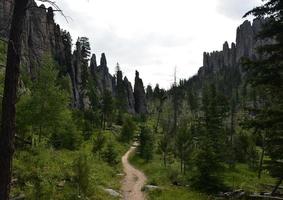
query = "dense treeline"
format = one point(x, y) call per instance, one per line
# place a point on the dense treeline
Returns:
point(233, 116)
point(206, 127)
point(63, 152)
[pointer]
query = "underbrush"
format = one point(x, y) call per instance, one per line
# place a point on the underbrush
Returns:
point(46, 173)
point(175, 185)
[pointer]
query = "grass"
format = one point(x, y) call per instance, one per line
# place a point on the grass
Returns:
point(53, 169)
point(241, 177)
point(158, 175)
point(245, 178)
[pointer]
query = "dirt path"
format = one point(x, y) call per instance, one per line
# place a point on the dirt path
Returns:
point(134, 179)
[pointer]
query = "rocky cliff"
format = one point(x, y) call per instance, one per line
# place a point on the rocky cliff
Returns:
point(246, 44)
point(139, 95)
point(224, 67)
point(43, 37)
point(124, 92)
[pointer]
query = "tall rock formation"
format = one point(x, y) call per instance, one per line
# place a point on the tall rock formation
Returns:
point(246, 44)
point(42, 38)
point(103, 79)
point(224, 67)
point(124, 93)
point(6, 8)
point(139, 95)
point(129, 95)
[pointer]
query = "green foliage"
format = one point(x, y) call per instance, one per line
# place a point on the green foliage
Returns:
point(84, 46)
point(164, 177)
point(98, 143)
point(56, 174)
point(43, 113)
point(110, 154)
point(66, 135)
point(146, 141)
point(107, 108)
point(209, 154)
point(265, 75)
point(81, 177)
point(184, 145)
point(245, 149)
point(128, 129)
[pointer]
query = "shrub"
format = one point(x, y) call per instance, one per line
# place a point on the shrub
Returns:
point(146, 140)
point(110, 154)
point(128, 130)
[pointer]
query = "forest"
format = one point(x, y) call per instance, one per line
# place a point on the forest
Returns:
point(72, 130)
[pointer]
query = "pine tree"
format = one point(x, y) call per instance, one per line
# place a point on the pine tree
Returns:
point(210, 152)
point(110, 154)
point(128, 129)
point(183, 144)
point(266, 76)
point(98, 144)
point(8, 119)
point(146, 141)
point(46, 111)
point(107, 108)
point(81, 168)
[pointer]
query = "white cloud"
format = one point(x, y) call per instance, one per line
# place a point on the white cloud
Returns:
point(236, 8)
point(154, 36)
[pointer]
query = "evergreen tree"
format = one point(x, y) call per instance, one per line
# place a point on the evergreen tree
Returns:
point(160, 95)
point(107, 108)
point(8, 118)
point(266, 75)
point(210, 152)
point(81, 170)
point(44, 112)
point(183, 144)
point(110, 154)
point(128, 129)
point(85, 47)
point(146, 141)
point(98, 143)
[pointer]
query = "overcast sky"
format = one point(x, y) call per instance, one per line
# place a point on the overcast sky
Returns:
point(154, 36)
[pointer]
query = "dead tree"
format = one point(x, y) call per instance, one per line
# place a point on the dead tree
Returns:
point(8, 121)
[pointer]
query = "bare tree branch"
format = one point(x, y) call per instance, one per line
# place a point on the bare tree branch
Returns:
point(56, 7)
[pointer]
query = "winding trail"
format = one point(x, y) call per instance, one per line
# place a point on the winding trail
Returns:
point(134, 179)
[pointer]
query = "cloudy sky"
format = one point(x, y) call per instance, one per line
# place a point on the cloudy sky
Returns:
point(154, 36)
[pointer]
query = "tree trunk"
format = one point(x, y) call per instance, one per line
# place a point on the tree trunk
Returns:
point(157, 122)
point(261, 157)
point(158, 115)
point(7, 135)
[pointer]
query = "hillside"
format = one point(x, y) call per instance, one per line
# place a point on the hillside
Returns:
point(79, 132)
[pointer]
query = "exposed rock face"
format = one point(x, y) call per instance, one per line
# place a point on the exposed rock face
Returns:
point(76, 77)
point(6, 7)
point(124, 93)
point(139, 95)
point(93, 64)
point(43, 37)
point(104, 80)
point(130, 96)
point(246, 44)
